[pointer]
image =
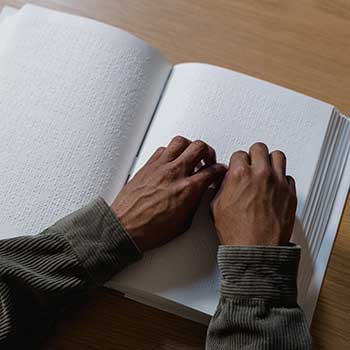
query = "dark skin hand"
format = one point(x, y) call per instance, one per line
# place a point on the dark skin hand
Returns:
point(256, 203)
point(160, 201)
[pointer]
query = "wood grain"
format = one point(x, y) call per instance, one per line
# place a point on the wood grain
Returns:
point(303, 45)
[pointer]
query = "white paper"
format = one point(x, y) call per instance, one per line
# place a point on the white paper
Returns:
point(8, 23)
point(309, 301)
point(184, 270)
point(200, 102)
point(230, 111)
point(76, 99)
point(6, 12)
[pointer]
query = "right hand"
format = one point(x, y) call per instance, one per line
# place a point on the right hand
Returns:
point(256, 203)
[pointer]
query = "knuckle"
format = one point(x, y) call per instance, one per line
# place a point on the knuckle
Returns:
point(237, 154)
point(189, 186)
point(292, 184)
point(240, 171)
point(264, 173)
point(200, 145)
point(185, 184)
point(291, 180)
point(159, 150)
point(188, 182)
point(171, 171)
point(211, 151)
point(179, 140)
point(195, 183)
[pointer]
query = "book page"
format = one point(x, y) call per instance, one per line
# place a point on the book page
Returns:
point(76, 99)
point(7, 26)
point(328, 234)
point(230, 111)
point(6, 12)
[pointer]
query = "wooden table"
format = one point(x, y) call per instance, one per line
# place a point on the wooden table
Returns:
point(303, 45)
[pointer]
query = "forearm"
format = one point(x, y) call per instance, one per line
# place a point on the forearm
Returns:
point(258, 307)
point(39, 274)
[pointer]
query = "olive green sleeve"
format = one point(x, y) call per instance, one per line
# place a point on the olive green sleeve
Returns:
point(40, 274)
point(258, 307)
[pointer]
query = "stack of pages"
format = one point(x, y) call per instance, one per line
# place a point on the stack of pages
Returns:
point(82, 107)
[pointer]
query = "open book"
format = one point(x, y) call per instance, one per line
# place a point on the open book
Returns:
point(82, 107)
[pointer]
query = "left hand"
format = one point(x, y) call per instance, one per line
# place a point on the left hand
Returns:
point(160, 201)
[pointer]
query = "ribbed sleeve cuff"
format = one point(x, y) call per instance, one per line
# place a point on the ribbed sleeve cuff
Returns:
point(99, 240)
point(268, 273)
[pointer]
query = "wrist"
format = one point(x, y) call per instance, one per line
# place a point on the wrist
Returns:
point(253, 237)
point(128, 225)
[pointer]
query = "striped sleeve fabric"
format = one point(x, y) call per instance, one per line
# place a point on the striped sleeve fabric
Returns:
point(39, 274)
point(258, 307)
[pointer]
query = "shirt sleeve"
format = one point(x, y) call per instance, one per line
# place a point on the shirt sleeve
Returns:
point(39, 274)
point(258, 306)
